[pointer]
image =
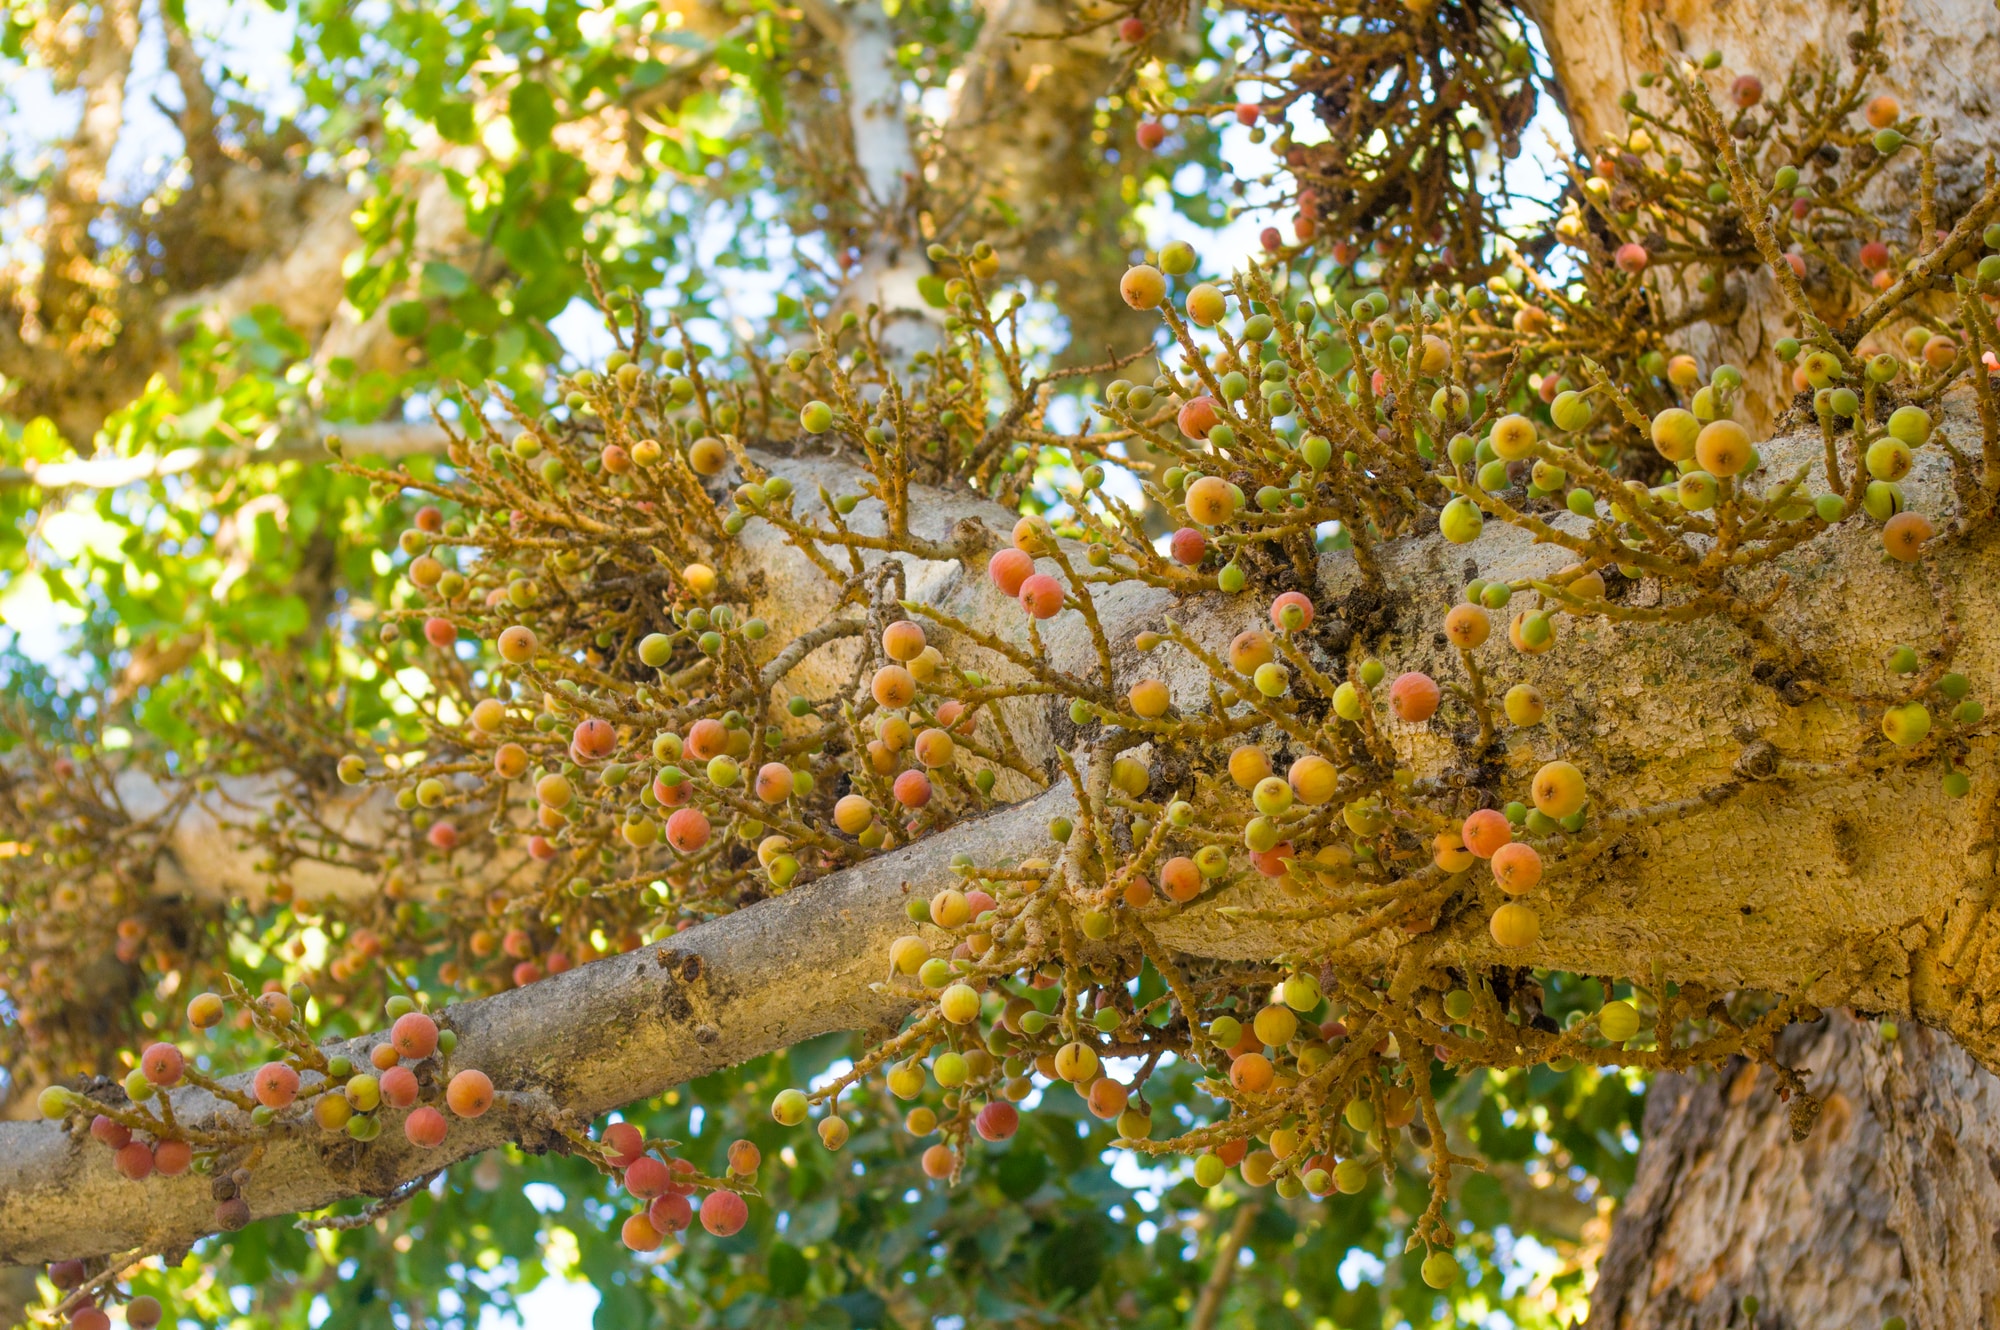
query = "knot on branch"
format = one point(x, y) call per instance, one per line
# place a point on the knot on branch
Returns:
point(1757, 761)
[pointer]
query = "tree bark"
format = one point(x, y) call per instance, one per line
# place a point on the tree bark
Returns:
point(1941, 55)
point(1890, 1208)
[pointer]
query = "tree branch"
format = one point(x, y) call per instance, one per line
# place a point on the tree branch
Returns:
point(586, 1041)
point(197, 117)
point(1223, 1271)
point(72, 195)
point(389, 440)
point(1826, 868)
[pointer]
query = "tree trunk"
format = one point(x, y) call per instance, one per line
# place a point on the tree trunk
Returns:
point(1890, 1208)
point(1941, 54)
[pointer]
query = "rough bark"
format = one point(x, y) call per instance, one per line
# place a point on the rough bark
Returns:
point(1890, 1208)
point(1941, 56)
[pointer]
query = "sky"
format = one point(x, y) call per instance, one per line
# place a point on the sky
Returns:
point(251, 37)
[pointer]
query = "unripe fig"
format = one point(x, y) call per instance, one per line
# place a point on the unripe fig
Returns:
point(414, 1035)
point(1513, 437)
point(1042, 596)
point(1150, 698)
point(1467, 626)
point(1906, 725)
point(1723, 448)
point(1618, 1021)
point(1414, 697)
point(134, 1160)
point(1675, 433)
point(1570, 411)
point(1211, 501)
point(789, 1108)
point(912, 789)
point(998, 1121)
point(894, 689)
point(115, 1135)
point(1197, 417)
point(1448, 852)
point(1517, 867)
point(959, 1004)
point(399, 1087)
point(1251, 1073)
point(1558, 789)
point(1524, 705)
point(687, 830)
point(639, 1233)
point(470, 1093)
point(162, 1063)
point(426, 1128)
point(1313, 779)
point(1889, 459)
point(1292, 611)
point(517, 644)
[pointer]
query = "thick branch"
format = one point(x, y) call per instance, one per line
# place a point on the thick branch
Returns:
point(1796, 855)
point(1825, 867)
point(583, 1042)
point(73, 191)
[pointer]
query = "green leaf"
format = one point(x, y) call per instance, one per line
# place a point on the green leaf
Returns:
point(409, 318)
point(1021, 1173)
point(444, 279)
point(533, 113)
point(454, 122)
point(787, 1269)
